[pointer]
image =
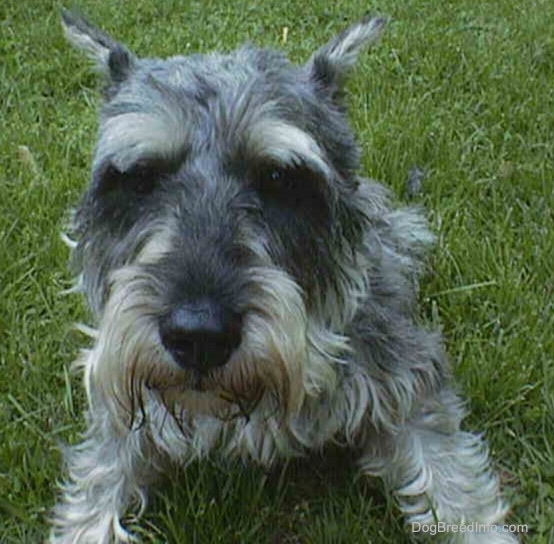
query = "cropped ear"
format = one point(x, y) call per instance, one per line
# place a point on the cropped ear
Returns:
point(111, 57)
point(330, 65)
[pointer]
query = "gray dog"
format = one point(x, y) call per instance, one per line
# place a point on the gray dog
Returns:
point(254, 296)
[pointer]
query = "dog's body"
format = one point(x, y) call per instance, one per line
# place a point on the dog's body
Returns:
point(254, 296)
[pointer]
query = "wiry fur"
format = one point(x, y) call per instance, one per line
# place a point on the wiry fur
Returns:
point(234, 177)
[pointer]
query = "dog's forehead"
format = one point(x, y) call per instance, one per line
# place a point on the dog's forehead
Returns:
point(252, 97)
point(224, 71)
point(205, 80)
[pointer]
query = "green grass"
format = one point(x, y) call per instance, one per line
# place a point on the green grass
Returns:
point(461, 88)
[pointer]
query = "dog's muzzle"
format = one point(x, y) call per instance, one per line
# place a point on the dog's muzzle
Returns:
point(200, 335)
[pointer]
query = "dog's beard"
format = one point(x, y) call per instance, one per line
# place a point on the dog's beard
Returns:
point(128, 366)
point(283, 354)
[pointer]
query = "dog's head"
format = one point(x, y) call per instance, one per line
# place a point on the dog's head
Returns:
point(219, 235)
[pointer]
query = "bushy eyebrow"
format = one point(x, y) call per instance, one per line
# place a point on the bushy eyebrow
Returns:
point(137, 126)
point(283, 143)
point(129, 138)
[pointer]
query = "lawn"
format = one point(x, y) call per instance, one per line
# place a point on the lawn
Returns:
point(461, 89)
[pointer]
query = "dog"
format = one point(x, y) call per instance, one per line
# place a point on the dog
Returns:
point(255, 297)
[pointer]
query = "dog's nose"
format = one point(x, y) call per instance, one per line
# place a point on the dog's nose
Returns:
point(200, 335)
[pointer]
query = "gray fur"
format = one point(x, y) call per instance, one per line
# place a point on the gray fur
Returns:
point(234, 178)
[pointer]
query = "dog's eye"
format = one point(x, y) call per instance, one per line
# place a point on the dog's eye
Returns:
point(139, 179)
point(290, 185)
point(281, 176)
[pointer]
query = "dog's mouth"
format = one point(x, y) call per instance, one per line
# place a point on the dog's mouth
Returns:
point(202, 394)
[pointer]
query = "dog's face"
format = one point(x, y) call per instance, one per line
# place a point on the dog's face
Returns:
point(218, 238)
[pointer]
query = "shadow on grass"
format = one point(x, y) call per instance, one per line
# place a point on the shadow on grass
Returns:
point(318, 499)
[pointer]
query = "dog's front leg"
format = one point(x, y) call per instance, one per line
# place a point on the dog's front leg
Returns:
point(441, 476)
point(107, 473)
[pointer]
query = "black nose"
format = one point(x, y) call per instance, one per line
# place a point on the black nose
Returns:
point(200, 335)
